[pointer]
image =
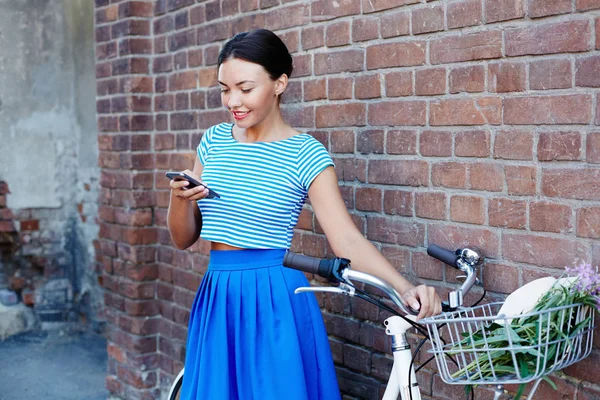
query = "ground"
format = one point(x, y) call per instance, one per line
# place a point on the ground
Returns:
point(58, 364)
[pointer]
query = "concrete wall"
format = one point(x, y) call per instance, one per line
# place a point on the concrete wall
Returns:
point(48, 138)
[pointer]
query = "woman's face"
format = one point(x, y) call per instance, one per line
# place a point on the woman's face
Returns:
point(248, 91)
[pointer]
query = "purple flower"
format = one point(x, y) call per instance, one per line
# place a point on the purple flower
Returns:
point(588, 279)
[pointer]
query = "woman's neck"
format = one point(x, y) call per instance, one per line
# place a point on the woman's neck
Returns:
point(270, 129)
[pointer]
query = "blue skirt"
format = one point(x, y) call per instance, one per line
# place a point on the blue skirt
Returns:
point(250, 337)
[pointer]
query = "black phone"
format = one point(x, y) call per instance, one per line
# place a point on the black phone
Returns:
point(192, 183)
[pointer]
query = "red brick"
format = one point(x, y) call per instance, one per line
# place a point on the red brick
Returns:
point(503, 10)
point(559, 37)
point(593, 147)
point(558, 109)
point(597, 121)
point(486, 176)
point(428, 19)
point(507, 77)
point(367, 86)
point(514, 145)
point(334, 115)
point(339, 61)
point(587, 71)
point(342, 142)
point(399, 172)
point(550, 74)
point(339, 88)
point(588, 222)
point(394, 113)
point(302, 65)
point(541, 250)
point(287, 17)
point(464, 13)
point(449, 174)
point(520, 180)
point(467, 79)
point(337, 34)
point(395, 24)
point(322, 10)
point(30, 225)
point(426, 267)
point(370, 141)
point(435, 144)
point(507, 213)
point(7, 226)
point(571, 183)
point(468, 47)
point(368, 199)
point(370, 6)
point(315, 89)
point(550, 217)
point(399, 83)
point(467, 209)
point(402, 142)
point(404, 54)
point(349, 169)
point(396, 231)
point(472, 144)
point(431, 205)
point(466, 111)
point(365, 29)
point(313, 37)
point(500, 278)
point(584, 5)
point(452, 236)
point(299, 116)
point(559, 146)
point(291, 39)
point(431, 81)
point(598, 33)
point(543, 8)
point(398, 202)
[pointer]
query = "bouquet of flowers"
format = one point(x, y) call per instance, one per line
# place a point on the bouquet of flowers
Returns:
point(539, 341)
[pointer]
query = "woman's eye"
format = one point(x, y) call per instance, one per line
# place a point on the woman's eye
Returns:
point(246, 90)
point(224, 90)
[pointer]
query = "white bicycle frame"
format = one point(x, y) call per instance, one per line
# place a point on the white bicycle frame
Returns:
point(396, 327)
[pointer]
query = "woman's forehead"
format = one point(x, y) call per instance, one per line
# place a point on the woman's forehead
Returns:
point(235, 70)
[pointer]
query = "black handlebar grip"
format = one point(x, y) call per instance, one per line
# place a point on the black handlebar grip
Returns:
point(301, 262)
point(444, 255)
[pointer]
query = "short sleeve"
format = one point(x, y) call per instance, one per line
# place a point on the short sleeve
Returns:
point(204, 145)
point(313, 158)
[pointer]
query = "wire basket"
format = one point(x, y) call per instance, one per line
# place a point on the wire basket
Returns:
point(550, 340)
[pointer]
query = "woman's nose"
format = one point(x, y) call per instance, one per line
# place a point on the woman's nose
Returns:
point(234, 101)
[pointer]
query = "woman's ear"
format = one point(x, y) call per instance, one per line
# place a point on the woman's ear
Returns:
point(281, 84)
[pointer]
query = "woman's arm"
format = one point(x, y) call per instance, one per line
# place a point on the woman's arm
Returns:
point(183, 217)
point(348, 242)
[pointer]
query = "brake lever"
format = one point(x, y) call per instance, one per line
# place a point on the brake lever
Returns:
point(341, 289)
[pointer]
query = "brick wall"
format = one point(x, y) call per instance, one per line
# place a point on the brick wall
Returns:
point(450, 122)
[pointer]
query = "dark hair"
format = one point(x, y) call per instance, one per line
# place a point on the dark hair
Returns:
point(261, 47)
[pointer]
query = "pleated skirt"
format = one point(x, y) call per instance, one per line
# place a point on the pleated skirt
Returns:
point(250, 337)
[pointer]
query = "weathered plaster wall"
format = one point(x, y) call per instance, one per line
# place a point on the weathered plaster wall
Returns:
point(48, 138)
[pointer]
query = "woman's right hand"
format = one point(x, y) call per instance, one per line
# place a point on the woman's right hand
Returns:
point(180, 190)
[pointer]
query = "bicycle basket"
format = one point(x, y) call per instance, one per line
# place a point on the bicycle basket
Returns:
point(529, 345)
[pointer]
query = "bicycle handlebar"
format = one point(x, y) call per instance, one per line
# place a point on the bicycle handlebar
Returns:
point(337, 270)
point(444, 255)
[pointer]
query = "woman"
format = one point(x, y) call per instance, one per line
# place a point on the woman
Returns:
point(249, 336)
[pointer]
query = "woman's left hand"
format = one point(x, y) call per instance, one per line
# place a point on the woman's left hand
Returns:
point(424, 299)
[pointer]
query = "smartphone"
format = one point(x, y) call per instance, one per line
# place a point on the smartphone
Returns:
point(181, 176)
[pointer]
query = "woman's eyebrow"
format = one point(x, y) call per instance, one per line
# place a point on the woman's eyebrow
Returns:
point(237, 84)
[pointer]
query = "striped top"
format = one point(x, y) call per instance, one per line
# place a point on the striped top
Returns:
point(263, 186)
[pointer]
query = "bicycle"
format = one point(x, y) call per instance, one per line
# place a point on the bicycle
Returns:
point(451, 356)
